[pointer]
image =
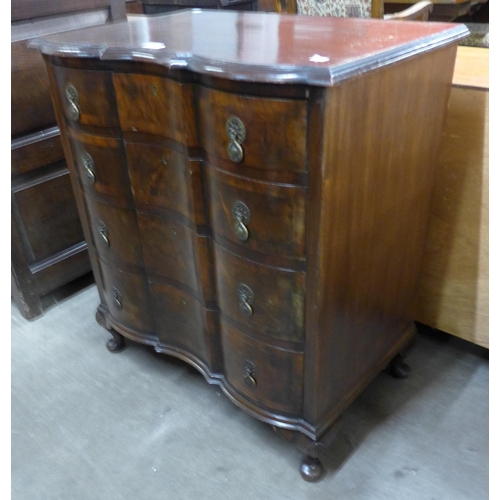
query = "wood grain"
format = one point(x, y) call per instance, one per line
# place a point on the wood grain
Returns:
point(453, 294)
point(472, 68)
point(372, 191)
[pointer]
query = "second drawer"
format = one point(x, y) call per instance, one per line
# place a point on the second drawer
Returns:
point(261, 216)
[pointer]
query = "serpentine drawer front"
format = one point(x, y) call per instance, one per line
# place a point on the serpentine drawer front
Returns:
point(259, 214)
point(102, 168)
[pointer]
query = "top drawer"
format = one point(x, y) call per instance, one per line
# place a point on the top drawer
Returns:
point(154, 105)
point(256, 132)
point(86, 97)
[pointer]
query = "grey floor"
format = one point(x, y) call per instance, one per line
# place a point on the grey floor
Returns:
point(90, 425)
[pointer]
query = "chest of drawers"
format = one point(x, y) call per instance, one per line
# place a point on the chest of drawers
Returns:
point(257, 204)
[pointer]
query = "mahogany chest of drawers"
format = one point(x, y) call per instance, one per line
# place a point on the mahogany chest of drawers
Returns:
point(255, 191)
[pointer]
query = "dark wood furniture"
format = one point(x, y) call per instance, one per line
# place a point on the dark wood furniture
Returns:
point(48, 248)
point(161, 6)
point(260, 214)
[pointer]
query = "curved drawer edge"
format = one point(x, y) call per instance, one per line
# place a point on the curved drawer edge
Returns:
point(267, 416)
point(107, 321)
point(214, 378)
point(194, 361)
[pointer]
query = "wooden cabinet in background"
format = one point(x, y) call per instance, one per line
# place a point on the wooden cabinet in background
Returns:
point(280, 178)
point(48, 246)
point(453, 294)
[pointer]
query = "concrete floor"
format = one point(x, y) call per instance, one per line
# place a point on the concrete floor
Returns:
point(90, 425)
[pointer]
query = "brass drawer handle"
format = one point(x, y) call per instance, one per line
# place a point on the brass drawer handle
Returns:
point(73, 99)
point(235, 152)
point(103, 231)
point(249, 371)
point(88, 164)
point(246, 297)
point(117, 298)
point(241, 214)
point(235, 130)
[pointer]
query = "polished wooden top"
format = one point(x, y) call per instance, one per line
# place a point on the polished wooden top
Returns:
point(257, 46)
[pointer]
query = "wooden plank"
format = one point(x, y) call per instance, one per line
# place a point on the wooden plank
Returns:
point(472, 68)
point(453, 293)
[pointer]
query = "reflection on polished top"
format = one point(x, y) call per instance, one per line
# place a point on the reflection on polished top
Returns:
point(256, 46)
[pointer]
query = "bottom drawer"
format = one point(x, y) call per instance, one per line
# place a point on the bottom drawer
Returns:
point(269, 376)
point(183, 322)
point(127, 298)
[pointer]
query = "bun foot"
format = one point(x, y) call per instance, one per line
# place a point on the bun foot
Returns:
point(398, 368)
point(311, 469)
point(116, 344)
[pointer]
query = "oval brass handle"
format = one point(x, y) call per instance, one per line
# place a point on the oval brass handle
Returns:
point(235, 152)
point(246, 297)
point(246, 309)
point(249, 374)
point(88, 164)
point(241, 231)
point(73, 100)
point(73, 112)
point(250, 381)
point(117, 297)
point(103, 231)
point(236, 132)
point(241, 214)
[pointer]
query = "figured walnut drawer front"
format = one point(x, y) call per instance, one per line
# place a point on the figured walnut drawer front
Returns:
point(86, 97)
point(264, 217)
point(127, 298)
point(266, 299)
point(255, 132)
point(174, 251)
point(101, 166)
point(116, 234)
point(182, 321)
point(154, 105)
point(269, 376)
point(160, 180)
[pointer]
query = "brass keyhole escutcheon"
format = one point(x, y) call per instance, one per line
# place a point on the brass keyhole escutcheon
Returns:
point(164, 159)
point(88, 164)
point(117, 298)
point(235, 130)
point(246, 297)
point(71, 93)
point(249, 376)
point(73, 110)
point(103, 231)
point(241, 214)
point(155, 90)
